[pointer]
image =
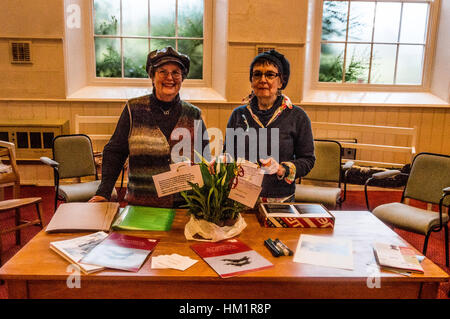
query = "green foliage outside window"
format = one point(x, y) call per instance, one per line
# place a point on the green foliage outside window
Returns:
point(331, 70)
point(334, 27)
point(108, 56)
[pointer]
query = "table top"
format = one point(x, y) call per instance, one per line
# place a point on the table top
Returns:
point(36, 261)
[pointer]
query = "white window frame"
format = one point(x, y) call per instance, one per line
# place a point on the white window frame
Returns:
point(429, 50)
point(144, 82)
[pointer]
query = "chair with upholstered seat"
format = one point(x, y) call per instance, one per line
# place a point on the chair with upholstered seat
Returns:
point(73, 158)
point(428, 182)
point(9, 176)
point(328, 169)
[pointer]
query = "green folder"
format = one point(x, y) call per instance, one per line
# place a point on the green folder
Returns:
point(144, 218)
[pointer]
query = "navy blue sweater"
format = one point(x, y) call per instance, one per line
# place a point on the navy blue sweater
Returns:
point(296, 145)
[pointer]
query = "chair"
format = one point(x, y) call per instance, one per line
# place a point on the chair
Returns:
point(9, 176)
point(73, 157)
point(429, 182)
point(327, 168)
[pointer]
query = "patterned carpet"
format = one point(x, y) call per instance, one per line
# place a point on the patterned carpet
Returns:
point(355, 201)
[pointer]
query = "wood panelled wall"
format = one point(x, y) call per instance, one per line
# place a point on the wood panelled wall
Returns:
point(433, 125)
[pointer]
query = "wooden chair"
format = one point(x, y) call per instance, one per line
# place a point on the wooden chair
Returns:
point(9, 176)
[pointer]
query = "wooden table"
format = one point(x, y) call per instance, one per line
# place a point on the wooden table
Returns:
point(37, 272)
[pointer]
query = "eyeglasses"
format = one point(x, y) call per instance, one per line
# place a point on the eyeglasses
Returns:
point(257, 75)
point(176, 75)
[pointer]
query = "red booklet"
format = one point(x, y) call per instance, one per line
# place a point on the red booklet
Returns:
point(231, 257)
point(120, 251)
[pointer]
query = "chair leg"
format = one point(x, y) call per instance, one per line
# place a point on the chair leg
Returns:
point(446, 246)
point(17, 217)
point(425, 243)
point(56, 202)
point(1, 250)
point(40, 214)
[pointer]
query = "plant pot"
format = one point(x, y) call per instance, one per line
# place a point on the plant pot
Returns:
point(202, 230)
point(227, 222)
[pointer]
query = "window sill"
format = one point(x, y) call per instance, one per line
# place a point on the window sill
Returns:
point(359, 98)
point(122, 94)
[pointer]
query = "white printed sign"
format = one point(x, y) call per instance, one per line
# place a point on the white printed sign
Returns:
point(245, 192)
point(175, 181)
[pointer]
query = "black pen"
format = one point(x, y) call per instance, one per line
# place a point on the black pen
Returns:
point(271, 246)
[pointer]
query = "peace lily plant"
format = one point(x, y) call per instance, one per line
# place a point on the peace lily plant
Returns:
point(210, 202)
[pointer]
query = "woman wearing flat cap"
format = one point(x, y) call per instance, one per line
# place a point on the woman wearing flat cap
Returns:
point(267, 108)
point(144, 133)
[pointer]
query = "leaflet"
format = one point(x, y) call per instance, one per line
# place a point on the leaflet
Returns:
point(245, 192)
point(176, 180)
point(252, 172)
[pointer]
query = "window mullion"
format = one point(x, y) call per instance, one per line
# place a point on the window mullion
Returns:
point(176, 25)
point(149, 24)
point(371, 44)
point(398, 43)
point(345, 44)
point(121, 40)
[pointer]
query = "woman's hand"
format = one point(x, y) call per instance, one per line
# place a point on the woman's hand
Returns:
point(96, 199)
point(270, 166)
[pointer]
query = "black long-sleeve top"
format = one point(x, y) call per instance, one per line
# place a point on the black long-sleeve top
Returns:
point(295, 144)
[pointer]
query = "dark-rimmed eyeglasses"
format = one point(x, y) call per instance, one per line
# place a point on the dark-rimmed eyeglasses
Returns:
point(176, 75)
point(257, 75)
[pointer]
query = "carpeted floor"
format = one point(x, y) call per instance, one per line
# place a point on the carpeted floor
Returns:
point(355, 201)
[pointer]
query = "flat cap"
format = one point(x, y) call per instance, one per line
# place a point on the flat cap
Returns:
point(157, 58)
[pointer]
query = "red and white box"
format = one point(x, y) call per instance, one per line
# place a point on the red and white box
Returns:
point(295, 215)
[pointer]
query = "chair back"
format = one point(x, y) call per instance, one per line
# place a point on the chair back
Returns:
point(430, 174)
point(327, 167)
point(9, 174)
point(75, 156)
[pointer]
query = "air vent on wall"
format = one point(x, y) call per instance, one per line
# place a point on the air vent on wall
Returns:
point(20, 51)
point(261, 49)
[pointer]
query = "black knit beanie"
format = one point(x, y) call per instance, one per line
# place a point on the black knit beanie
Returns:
point(278, 60)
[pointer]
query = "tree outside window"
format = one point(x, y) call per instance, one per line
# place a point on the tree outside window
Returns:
point(125, 31)
point(373, 42)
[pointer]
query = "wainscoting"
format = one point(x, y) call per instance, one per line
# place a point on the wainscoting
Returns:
point(432, 123)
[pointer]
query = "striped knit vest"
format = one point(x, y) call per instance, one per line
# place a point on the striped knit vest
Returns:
point(150, 152)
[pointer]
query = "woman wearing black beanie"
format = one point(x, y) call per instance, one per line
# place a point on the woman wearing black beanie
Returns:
point(268, 108)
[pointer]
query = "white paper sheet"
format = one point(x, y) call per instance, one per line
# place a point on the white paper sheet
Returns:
point(173, 261)
point(325, 251)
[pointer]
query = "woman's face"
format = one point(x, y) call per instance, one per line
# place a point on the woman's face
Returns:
point(263, 87)
point(167, 81)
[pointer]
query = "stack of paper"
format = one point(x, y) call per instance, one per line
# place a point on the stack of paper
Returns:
point(174, 261)
point(119, 251)
point(75, 249)
point(397, 258)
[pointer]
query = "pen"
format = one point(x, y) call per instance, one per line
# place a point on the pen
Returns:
point(286, 250)
point(271, 246)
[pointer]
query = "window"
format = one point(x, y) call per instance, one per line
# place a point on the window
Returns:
point(376, 42)
point(125, 31)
